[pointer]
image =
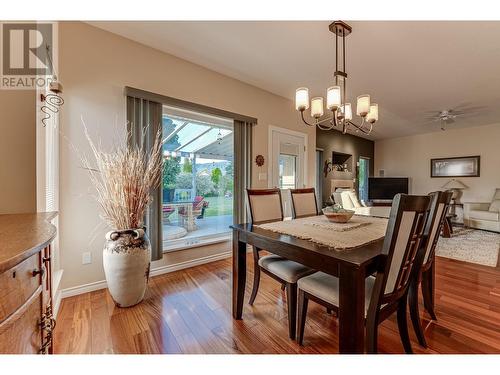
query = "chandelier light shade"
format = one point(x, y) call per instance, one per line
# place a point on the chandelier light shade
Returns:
point(347, 111)
point(373, 114)
point(301, 99)
point(333, 98)
point(341, 112)
point(363, 106)
point(317, 107)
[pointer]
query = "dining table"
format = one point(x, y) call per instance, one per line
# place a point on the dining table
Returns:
point(352, 266)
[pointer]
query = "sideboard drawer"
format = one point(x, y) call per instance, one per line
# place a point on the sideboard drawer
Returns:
point(21, 332)
point(18, 284)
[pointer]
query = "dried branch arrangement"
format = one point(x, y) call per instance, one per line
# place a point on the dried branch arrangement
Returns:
point(124, 179)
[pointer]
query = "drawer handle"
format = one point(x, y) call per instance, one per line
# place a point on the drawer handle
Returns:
point(40, 272)
point(47, 324)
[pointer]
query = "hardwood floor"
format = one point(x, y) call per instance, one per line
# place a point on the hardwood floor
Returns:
point(189, 312)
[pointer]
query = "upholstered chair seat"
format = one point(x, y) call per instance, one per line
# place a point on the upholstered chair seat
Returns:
point(285, 269)
point(326, 287)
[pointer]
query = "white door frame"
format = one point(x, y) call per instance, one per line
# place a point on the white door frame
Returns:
point(272, 128)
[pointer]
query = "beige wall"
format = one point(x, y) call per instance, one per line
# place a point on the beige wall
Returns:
point(410, 156)
point(17, 151)
point(95, 66)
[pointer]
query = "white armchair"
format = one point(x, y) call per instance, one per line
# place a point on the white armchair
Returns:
point(483, 215)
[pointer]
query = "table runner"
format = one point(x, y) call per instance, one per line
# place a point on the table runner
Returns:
point(360, 230)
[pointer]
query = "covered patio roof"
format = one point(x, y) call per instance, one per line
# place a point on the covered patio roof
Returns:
point(197, 134)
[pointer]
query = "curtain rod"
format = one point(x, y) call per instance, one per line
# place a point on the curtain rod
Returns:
point(174, 102)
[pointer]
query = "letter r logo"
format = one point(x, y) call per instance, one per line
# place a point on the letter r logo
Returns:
point(24, 48)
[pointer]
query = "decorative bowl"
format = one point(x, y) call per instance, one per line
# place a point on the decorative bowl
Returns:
point(338, 216)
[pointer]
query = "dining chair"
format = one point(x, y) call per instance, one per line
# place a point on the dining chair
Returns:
point(440, 204)
point(167, 212)
point(266, 206)
point(196, 210)
point(304, 202)
point(387, 291)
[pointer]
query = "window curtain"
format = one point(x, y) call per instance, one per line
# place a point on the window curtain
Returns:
point(144, 118)
point(242, 169)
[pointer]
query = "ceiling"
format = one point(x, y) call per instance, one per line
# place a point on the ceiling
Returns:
point(408, 67)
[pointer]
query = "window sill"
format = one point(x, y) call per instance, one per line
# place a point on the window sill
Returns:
point(186, 244)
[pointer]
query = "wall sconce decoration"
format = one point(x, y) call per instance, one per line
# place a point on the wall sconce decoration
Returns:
point(53, 101)
point(259, 160)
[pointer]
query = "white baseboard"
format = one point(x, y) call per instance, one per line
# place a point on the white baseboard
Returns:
point(84, 288)
point(90, 287)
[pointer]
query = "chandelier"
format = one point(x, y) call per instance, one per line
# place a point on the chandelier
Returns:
point(341, 112)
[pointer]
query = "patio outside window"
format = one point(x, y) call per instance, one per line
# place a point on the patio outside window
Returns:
point(197, 179)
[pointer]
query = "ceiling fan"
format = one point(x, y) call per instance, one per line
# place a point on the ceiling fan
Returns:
point(448, 116)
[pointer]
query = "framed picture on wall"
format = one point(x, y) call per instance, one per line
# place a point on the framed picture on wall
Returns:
point(464, 166)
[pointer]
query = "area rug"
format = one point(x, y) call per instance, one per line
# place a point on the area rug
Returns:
point(470, 245)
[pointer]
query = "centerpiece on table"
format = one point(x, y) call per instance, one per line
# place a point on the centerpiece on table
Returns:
point(124, 179)
point(337, 214)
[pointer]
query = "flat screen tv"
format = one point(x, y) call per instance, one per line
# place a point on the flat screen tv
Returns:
point(385, 188)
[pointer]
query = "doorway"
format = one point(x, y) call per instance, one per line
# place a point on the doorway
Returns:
point(363, 174)
point(287, 163)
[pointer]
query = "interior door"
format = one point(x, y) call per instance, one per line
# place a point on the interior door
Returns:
point(287, 164)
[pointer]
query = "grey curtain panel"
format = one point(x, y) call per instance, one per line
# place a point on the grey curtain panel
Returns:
point(144, 118)
point(242, 169)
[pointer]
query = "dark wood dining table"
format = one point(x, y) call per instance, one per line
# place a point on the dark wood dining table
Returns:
point(351, 266)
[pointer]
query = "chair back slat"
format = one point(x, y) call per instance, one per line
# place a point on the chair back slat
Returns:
point(440, 204)
point(265, 205)
point(402, 243)
point(304, 202)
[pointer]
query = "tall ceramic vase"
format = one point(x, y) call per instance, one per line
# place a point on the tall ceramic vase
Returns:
point(126, 259)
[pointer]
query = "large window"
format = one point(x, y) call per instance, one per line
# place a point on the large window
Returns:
point(197, 179)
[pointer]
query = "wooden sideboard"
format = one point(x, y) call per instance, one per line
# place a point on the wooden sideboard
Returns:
point(26, 321)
